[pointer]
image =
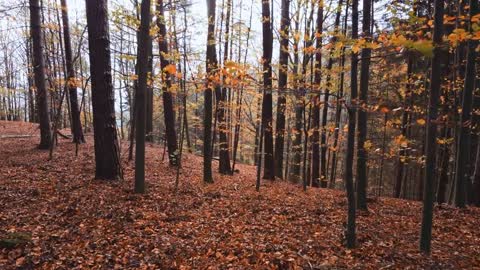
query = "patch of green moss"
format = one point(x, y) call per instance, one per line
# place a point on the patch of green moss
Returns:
point(13, 240)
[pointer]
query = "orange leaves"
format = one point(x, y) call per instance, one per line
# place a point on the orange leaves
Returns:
point(421, 121)
point(170, 69)
point(457, 36)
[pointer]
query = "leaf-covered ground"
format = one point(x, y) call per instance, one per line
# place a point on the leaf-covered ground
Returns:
point(54, 215)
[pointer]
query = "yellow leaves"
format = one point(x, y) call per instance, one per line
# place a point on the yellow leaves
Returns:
point(457, 36)
point(424, 46)
point(421, 121)
point(170, 69)
point(401, 141)
point(444, 140)
point(476, 35)
point(368, 145)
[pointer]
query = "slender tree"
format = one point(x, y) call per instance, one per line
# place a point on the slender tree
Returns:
point(430, 147)
point(282, 87)
point(166, 71)
point(143, 51)
point(323, 139)
point(39, 71)
point(107, 153)
point(463, 155)
point(77, 130)
point(316, 100)
point(222, 105)
point(349, 155)
point(211, 71)
point(267, 121)
point(362, 112)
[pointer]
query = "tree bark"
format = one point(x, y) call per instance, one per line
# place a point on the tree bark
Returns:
point(362, 112)
point(77, 131)
point(167, 96)
point(349, 155)
point(39, 71)
point(430, 143)
point(462, 172)
point(282, 87)
point(211, 68)
point(267, 121)
point(107, 153)
point(143, 55)
point(316, 101)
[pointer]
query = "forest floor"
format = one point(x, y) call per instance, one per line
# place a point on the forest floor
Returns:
point(54, 215)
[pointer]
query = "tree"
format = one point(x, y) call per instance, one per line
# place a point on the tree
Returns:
point(323, 140)
point(77, 130)
point(143, 54)
point(107, 153)
point(267, 114)
point(430, 147)
point(39, 71)
point(211, 68)
point(167, 70)
point(463, 170)
point(362, 112)
point(282, 87)
point(221, 98)
point(349, 155)
point(316, 100)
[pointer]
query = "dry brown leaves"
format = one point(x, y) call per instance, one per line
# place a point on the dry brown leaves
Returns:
point(76, 222)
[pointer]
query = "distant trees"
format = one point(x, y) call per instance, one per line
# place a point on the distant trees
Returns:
point(107, 153)
point(393, 74)
point(40, 79)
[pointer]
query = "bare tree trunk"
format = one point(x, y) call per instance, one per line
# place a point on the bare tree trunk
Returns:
point(267, 114)
point(349, 155)
point(77, 131)
point(39, 70)
point(211, 71)
point(168, 108)
point(282, 87)
point(430, 148)
point(107, 154)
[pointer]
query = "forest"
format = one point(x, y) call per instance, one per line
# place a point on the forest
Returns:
point(239, 134)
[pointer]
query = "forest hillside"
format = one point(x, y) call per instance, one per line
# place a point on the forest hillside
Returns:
point(56, 216)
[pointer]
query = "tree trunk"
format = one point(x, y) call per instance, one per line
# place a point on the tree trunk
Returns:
point(430, 143)
point(107, 153)
point(143, 55)
point(316, 101)
point(77, 131)
point(39, 71)
point(323, 139)
point(362, 112)
point(267, 121)
point(462, 173)
point(349, 155)
point(168, 109)
point(222, 105)
point(211, 71)
point(282, 87)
